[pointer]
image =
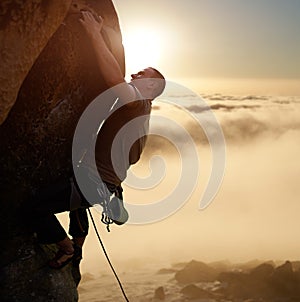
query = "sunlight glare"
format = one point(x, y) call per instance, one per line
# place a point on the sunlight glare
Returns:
point(142, 49)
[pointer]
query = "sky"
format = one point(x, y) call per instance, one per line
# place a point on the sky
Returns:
point(242, 59)
point(197, 41)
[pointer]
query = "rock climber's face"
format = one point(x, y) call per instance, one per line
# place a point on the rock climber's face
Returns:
point(144, 74)
point(145, 86)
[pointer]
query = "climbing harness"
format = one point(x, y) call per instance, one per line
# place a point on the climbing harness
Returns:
point(113, 210)
point(104, 202)
point(106, 255)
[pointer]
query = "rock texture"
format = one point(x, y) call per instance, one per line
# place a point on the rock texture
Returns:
point(267, 282)
point(254, 281)
point(48, 77)
point(159, 293)
point(196, 271)
point(25, 28)
point(194, 292)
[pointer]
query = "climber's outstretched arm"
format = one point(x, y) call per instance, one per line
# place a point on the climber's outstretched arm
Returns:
point(107, 63)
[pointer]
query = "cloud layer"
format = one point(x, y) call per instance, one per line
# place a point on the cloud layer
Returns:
point(243, 119)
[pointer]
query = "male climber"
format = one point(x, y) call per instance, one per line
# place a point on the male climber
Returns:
point(135, 100)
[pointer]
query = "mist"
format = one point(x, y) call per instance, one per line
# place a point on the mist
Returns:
point(253, 216)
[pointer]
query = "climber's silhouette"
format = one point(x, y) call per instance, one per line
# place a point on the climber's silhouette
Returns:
point(66, 196)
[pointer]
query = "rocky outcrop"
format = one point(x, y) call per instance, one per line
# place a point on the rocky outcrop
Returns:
point(48, 77)
point(273, 284)
point(263, 282)
point(196, 271)
point(28, 278)
point(25, 28)
point(159, 293)
point(194, 292)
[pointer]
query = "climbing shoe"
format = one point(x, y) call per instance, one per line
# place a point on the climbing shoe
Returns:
point(116, 211)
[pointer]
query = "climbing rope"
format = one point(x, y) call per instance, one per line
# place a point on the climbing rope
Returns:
point(106, 255)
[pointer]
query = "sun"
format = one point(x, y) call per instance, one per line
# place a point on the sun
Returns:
point(142, 49)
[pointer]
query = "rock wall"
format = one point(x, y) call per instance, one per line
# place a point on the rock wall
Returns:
point(40, 107)
point(25, 28)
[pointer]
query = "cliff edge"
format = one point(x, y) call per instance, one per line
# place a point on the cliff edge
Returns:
point(48, 77)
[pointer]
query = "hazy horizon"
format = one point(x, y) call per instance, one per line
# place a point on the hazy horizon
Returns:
point(241, 86)
point(254, 214)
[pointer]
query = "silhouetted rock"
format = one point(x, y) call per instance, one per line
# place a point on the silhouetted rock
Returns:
point(285, 281)
point(234, 284)
point(194, 292)
point(263, 282)
point(284, 270)
point(48, 77)
point(247, 266)
point(196, 271)
point(159, 293)
point(296, 265)
point(262, 272)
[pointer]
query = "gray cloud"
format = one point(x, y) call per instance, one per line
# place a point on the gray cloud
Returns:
point(197, 109)
point(221, 97)
point(233, 107)
point(243, 121)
